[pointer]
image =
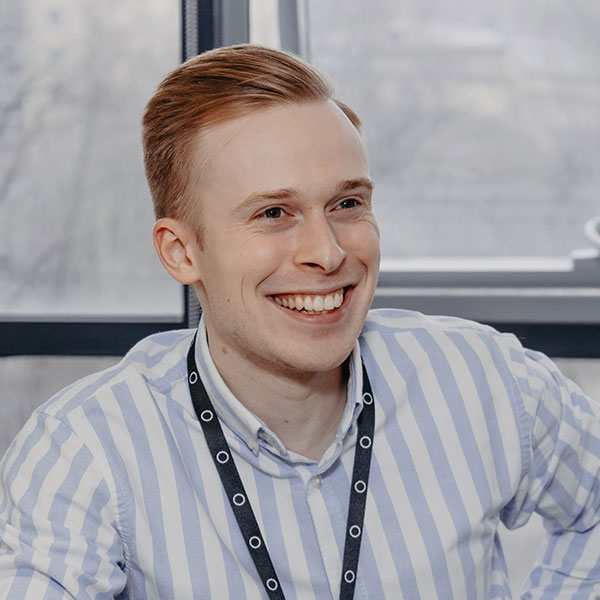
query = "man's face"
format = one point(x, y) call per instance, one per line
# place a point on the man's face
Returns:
point(290, 245)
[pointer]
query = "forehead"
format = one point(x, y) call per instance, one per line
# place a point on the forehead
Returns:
point(302, 146)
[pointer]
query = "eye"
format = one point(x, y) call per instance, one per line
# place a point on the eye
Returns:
point(347, 203)
point(275, 212)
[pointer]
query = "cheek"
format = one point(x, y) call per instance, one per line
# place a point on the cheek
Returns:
point(363, 240)
point(372, 235)
point(250, 264)
point(263, 253)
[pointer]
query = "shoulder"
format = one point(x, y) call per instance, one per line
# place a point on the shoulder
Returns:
point(475, 359)
point(452, 378)
point(109, 419)
point(477, 363)
point(464, 345)
point(156, 362)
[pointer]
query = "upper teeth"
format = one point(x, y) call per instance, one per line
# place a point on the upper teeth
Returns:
point(313, 303)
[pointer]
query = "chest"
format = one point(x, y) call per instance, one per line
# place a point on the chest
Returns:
point(430, 523)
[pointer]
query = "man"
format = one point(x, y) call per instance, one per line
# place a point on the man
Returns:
point(256, 457)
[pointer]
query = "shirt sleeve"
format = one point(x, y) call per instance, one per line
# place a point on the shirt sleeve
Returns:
point(561, 481)
point(58, 520)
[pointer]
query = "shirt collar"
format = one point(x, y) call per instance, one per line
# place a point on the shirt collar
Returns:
point(253, 430)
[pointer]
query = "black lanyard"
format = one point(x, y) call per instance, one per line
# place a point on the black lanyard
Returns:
point(240, 503)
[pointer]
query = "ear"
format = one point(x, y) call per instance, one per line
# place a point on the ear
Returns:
point(177, 249)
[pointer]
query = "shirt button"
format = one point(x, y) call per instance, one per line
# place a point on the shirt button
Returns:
point(317, 482)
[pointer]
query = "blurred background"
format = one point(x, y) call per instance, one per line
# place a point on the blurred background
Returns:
point(482, 122)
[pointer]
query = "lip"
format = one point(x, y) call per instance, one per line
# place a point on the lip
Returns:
point(323, 318)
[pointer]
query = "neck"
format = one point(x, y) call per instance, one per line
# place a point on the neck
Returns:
point(304, 410)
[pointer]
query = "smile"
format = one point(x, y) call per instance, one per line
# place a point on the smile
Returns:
point(312, 304)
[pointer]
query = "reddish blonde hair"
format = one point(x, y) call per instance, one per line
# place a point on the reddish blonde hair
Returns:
point(213, 87)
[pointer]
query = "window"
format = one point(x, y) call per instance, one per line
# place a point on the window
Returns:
point(482, 128)
point(76, 209)
point(73, 185)
point(482, 119)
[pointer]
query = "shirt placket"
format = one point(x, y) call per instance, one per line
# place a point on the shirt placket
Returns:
point(327, 518)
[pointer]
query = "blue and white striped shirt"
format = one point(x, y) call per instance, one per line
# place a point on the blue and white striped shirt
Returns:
point(110, 491)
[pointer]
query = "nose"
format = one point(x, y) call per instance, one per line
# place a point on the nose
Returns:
point(317, 245)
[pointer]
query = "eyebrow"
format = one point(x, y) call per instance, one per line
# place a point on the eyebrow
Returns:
point(257, 198)
point(352, 184)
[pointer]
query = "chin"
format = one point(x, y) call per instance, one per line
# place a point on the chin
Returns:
point(315, 361)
